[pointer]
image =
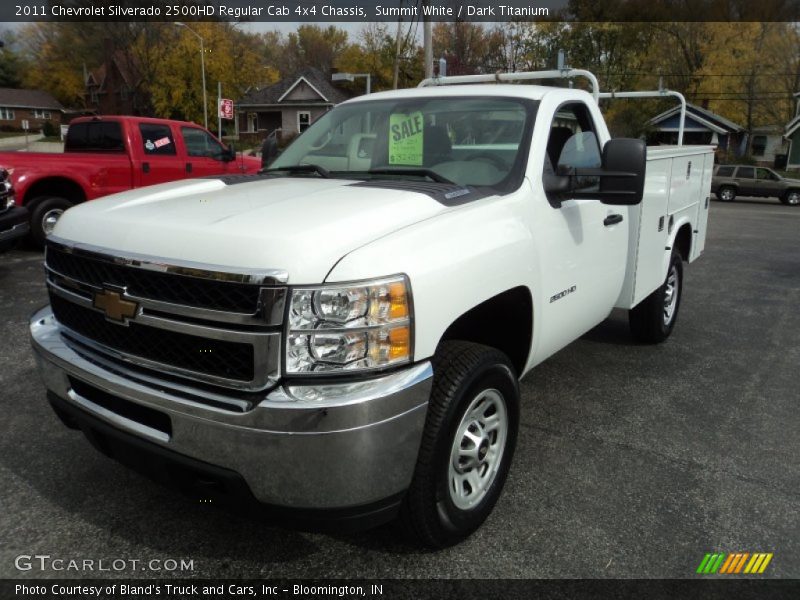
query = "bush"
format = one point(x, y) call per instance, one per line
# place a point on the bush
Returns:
point(50, 130)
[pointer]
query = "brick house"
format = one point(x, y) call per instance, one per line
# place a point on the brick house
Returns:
point(290, 105)
point(113, 87)
point(35, 106)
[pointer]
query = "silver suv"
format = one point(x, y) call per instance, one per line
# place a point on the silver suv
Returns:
point(730, 181)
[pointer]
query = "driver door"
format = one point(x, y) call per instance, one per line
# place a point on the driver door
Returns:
point(205, 156)
point(585, 243)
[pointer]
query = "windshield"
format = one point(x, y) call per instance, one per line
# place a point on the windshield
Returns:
point(469, 141)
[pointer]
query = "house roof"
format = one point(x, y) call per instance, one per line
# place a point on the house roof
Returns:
point(275, 93)
point(14, 98)
point(127, 71)
point(792, 126)
point(701, 115)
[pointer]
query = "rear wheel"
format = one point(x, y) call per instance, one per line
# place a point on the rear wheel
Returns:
point(45, 212)
point(652, 320)
point(468, 442)
point(726, 193)
point(791, 198)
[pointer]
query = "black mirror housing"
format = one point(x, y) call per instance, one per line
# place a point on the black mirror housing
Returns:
point(269, 150)
point(628, 157)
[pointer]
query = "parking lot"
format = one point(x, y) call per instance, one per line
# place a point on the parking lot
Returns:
point(632, 461)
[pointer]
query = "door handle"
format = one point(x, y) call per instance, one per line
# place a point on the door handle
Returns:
point(146, 167)
point(188, 167)
point(612, 220)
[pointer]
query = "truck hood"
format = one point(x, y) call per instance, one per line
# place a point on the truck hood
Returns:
point(299, 224)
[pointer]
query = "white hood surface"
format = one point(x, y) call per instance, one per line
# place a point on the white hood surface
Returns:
point(298, 224)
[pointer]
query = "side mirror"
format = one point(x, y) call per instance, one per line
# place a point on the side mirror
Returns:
point(624, 164)
point(229, 153)
point(621, 176)
point(269, 151)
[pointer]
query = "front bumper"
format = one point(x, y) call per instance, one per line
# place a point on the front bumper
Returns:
point(13, 225)
point(319, 446)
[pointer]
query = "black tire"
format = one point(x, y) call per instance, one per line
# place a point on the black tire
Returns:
point(791, 198)
point(648, 320)
point(726, 193)
point(463, 374)
point(41, 209)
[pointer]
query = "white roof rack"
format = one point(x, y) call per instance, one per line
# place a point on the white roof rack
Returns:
point(521, 76)
point(565, 73)
point(655, 94)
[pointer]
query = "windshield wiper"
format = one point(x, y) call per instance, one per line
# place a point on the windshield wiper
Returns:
point(321, 171)
point(421, 171)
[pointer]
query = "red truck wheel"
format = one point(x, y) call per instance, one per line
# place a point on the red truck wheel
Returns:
point(45, 212)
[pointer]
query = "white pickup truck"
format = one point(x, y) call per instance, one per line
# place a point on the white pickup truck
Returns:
point(343, 334)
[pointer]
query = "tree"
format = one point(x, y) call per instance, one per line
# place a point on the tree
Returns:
point(312, 46)
point(11, 64)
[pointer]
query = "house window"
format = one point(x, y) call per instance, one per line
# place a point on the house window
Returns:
point(759, 145)
point(6, 114)
point(42, 114)
point(303, 121)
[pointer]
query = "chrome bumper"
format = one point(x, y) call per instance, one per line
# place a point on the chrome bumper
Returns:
point(317, 446)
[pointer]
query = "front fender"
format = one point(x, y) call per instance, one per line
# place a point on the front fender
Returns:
point(455, 261)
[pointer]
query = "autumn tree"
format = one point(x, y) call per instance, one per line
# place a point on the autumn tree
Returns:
point(312, 46)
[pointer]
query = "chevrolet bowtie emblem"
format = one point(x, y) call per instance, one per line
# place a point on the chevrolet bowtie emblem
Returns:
point(115, 307)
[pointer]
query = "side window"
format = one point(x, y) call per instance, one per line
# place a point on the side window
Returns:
point(201, 143)
point(725, 172)
point(573, 144)
point(765, 174)
point(746, 173)
point(157, 140)
point(94, 136)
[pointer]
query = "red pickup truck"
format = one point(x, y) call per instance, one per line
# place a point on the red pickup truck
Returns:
point(104, 155)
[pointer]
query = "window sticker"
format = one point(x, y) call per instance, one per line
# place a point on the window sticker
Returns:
point(149, 145)
point(162, 142)
point(405, 138)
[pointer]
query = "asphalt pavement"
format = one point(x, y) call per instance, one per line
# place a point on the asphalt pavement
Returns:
point(632, 461)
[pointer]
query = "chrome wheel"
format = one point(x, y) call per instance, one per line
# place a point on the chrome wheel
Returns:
point(478, 449)
point(793, 198)
point(50, 219)
point(726, 194)
point(671, 291)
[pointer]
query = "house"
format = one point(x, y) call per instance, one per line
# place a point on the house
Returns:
point(768, 147)
point(791, 134)
point(700, 127)
point(290, 105)
point(113, 87)
point(37, 107)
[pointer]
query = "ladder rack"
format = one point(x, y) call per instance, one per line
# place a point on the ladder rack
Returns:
point(565, 73)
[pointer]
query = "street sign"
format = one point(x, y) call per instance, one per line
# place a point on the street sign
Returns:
point(25, 124)
point(226, 108)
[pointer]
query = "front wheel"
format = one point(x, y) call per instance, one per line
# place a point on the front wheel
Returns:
point(44, 215)
point(467, 446)
point(652, 320)
point(791, 198)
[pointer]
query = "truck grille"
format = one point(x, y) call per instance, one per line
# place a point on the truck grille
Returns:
point(202, 325)
point(219, 358)
point(164, 287)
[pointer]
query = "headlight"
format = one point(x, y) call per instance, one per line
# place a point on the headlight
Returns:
point(351, 327)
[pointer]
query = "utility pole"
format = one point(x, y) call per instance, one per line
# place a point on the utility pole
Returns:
point(427, 38)
point(396, 68)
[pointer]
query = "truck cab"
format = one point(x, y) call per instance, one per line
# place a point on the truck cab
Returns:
point(110, 154)
point(344, 333)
